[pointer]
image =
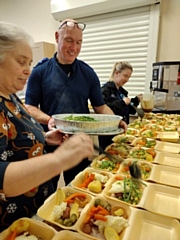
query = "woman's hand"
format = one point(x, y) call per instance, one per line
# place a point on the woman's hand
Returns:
point(55, 137)
point(139, 97)
point(127, 100)
point(74, 150)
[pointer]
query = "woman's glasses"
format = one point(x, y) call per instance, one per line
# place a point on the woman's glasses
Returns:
point(72, 24)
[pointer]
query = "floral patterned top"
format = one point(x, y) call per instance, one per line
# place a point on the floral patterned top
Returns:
point(21, 137)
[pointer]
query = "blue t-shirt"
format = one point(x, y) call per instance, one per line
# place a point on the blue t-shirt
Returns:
point(50, 88)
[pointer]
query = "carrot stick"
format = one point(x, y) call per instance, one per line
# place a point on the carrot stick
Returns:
point(88, 217)
point(152, 152)
point(87, 181)
point(94, 209)
point(91, 213)
point(119, 178)
point(13, 235)
point(112, 151)
point(74, 195)
point(103, 211)
point(86, 175)
point(100, 217)
point(125, 169)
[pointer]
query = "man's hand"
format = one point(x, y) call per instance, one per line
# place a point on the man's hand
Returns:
point(51, 124)
point(123, 125)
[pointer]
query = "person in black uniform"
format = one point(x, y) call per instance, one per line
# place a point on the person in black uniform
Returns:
point(116, 97)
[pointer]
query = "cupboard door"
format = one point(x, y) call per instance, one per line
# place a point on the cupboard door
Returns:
point(42, 50)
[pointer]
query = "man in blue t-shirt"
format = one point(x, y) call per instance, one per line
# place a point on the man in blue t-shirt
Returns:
point(64, 84)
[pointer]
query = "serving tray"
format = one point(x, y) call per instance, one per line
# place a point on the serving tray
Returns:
point(100, 123)
point(118, 131)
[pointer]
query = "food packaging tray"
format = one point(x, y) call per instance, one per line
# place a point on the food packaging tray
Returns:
point(150, 226)
point(142, 154)
point(104, 123)
point(168, 147)
point(148, 133)
point(46, 209)
point(124, 168)
point(98, 159)
point(132, 131)
point(160, 199)
point(113, 204)
point(66, 234)
point(157, 198)
point(109, 195)
point(123, 138)
point(79, 179)
point(37, 228)
point(166, 175)
point(135, 142)
point(168, 136)
point(168, 159)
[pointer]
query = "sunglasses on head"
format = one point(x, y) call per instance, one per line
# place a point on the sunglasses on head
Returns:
point(73, 24)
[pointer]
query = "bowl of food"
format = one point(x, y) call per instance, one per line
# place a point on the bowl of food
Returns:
point(89, 123)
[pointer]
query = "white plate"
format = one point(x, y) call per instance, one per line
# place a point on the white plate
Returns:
point(118, 131)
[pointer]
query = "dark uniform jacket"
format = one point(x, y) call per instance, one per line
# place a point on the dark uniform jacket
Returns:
point(114, 99)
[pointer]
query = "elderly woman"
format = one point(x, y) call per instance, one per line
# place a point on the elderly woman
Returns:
point(25, 171)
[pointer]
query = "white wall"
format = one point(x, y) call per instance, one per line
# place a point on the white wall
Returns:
point(169, 33)
point(32, 15)
point(84, 8)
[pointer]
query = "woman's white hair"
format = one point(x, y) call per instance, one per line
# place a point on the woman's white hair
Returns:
point(10, 35)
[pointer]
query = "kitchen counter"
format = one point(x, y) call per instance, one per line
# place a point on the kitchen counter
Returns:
point(158, 110)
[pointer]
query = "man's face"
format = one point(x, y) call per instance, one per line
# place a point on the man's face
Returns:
point(69, 42)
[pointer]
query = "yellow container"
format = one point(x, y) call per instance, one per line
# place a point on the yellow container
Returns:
point(37, 228)
point(46, 209)
point(79, 179)
point(95, 235)
point(66, 234)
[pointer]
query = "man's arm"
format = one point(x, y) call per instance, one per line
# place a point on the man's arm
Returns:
point(37, 114)
point(104, 109)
